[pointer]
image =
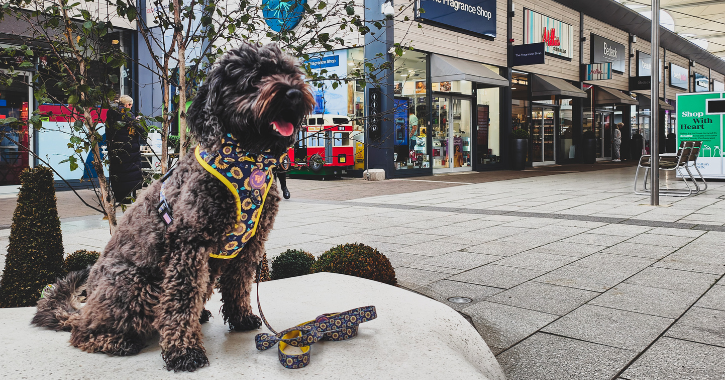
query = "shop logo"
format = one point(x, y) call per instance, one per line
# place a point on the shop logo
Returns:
point(283, 15)
point(680, 76)
point(550, 37)
point(610, 51)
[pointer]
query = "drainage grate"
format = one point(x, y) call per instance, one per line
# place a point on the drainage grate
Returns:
point(459, 300)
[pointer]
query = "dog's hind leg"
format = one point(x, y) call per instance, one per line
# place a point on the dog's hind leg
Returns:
point(182, 301)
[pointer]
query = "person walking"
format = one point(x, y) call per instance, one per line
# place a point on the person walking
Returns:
point(123, 136)
point(617, 142)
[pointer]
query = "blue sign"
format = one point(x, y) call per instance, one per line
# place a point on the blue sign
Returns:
point(528, 54)
point(329, 61)
point(476, 16)
point(283, 15)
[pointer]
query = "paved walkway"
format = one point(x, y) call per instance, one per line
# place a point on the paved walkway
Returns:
point(570, 276)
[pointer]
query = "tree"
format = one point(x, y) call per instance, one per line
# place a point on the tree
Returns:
point(35, 252)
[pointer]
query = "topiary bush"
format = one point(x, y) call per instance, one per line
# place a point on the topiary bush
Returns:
point(357, 260)
point(292, 263)
point(35, 249)
point(264, 274)
point(80, 259)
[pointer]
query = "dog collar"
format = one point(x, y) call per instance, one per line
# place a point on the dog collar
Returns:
point(248, 177)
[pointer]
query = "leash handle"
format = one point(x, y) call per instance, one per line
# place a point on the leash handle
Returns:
point(259, 305)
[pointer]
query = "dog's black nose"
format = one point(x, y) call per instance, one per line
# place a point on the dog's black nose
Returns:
point(294, 95)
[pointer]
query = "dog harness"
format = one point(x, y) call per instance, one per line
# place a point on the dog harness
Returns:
point(248, 177)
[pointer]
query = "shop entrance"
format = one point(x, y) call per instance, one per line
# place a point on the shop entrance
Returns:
point(15, 101)
point(543, 123)
point(603, 132)
point(451, 134)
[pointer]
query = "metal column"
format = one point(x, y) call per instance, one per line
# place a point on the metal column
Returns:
point(654, 107)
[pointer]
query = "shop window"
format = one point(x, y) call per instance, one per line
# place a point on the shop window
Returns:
point(411, 112)
point(520, 104)
point(567, 149)
point(462, 87)
point(488, 132)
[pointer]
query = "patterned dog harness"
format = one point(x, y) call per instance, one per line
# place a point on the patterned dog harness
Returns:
point(248, 177)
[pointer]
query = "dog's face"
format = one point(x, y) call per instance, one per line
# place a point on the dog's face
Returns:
point(256, 93)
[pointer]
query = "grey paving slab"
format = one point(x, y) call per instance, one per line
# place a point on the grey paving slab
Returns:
point(700, 325)
point(497, 247)
point(713, 299)
point(497, 276)
point(399, 259)
point(415, 278)
point(673, 359)
point(691, 262)
point(683, 281)
point(646, 300)
point(592, 238)
point(676, 232)
point(433, 248)
point(586, 278)
point(548, 357)
point(536, 260)
point(663, 240)
point(615, 263)
point(546, 298)
point(459, 260)
point(639, 250)
point(621, 230)
point(611, 327)
point(570, 249)
point(502, 326)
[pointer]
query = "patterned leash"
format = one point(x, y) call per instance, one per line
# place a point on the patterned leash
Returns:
point(331, 326)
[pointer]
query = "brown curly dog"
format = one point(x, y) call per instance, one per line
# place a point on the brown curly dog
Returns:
point(156, 277)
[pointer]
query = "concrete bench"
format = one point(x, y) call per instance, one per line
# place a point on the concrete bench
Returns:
point(413, 337)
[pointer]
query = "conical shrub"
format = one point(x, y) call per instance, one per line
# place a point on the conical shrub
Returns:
point(35, 251)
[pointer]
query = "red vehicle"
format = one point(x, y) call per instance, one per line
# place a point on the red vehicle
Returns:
point(324, 146)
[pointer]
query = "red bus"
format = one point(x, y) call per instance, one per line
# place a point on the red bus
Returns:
point(324, 146)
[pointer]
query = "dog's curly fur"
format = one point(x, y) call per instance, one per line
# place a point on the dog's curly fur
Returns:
point(156, 278)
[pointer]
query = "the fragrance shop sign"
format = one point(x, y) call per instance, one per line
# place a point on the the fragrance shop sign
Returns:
point(474, 16)
point(699, 119)
point(556, 35)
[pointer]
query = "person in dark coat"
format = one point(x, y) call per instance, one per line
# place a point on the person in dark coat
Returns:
point(123, 135)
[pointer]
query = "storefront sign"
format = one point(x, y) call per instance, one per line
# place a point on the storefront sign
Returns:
point(557, 36)
point(644, 64)
point(702, 83)
point(598, 71)
point(529, 54)
point(718, 86)
point(475, 16)
point(640, 83)
point(320, 62)
point(678, 76)
point(695, 124)
point(605, 50)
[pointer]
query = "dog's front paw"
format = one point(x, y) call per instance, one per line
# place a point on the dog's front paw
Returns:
point(249, 322)
point(205, 315)
point(185, 359)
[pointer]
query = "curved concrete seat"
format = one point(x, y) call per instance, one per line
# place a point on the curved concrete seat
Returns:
point(413, 337)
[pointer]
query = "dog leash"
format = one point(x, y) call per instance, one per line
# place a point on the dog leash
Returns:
point(331, 326)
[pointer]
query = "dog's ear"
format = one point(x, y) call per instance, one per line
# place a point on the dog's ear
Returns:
point(242, 66)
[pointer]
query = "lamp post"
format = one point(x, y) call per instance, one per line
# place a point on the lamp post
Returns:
point(654, 107)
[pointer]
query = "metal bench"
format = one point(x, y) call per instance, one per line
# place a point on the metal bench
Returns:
point(680, 163)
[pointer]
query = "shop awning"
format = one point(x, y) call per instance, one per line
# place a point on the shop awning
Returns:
point(446, 69)
point(611, 96)
point(646, 103)
point(542, 85)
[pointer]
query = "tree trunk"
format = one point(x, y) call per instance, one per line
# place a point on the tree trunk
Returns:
point(182, 81)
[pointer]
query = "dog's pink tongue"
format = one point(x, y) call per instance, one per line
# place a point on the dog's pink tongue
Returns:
point(284, 128)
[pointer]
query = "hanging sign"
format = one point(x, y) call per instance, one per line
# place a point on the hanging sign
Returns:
point(598, 71)
point(678, 76)
point(702, 83)
point(640, 83)
point(529, 54)
point(605, 50)
point(557, 36)
point(475, 16)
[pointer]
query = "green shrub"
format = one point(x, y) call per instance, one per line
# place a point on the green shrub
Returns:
point(80, 259)
point(520, 133)
point(35, 249)
point(357, 260)
point(292, 263)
